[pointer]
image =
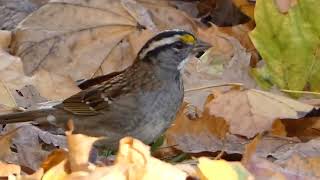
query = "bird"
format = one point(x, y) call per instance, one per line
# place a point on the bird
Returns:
point(141, 101)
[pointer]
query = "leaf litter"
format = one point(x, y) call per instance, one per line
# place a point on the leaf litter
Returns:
point(223, 120)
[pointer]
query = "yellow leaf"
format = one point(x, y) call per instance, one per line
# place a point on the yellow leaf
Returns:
point(216, 169)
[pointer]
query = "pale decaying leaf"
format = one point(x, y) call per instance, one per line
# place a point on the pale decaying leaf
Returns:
point(254, 111)
point(79, 147)
point(28, 142)
point(307, 167)
point(226, 62)
point(206, 133)
point(5, 39)
point(133, 161)
point(86, 39)
point(309, 149)
point(84, 36)
point(300, 161)
point(5, 143)
point(13, 77)
point(6, 98)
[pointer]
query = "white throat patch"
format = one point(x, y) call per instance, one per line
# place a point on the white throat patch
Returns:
point(183, 62)
point(155, 44)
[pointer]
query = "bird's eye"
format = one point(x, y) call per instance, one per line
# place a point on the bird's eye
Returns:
point(178, 45)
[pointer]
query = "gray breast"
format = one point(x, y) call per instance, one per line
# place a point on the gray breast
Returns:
point(145, 115)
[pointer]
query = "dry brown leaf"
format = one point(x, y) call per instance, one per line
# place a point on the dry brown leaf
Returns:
point(86, 39)
point(87, 32)
point(9, 169)
point(205, 133)
point(141, 165)
point(5, 39)
point(221, 12)
point(13, 77)
point(246, 7)
point(252, 111)
point(54, 158)
point(226, 62)
point(79, 150)
point(35, 176)
point(5, 143)
point(133, 161)
point(58, 172)
point(250, 150)
point(279, 129)
point(307, 167)
point(309, 149)
point(262, 169)
point(117, 172)
point(6, 97)
point(305, 129)
point(28, 142)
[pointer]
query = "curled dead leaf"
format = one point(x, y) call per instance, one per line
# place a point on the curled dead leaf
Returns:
point(79, 150)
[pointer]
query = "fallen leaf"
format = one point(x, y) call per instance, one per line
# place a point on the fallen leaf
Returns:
point(307, 167)
point(79, 150)
point(227, 62)
point(82, 37)
point(261, 168)
point(142, 165)
point(279, 129)
point(6, 97)
point(57, 172)
point(35, 176)
point(253, 111)
point(14, 11)
point(9, 169)
point(221, 12)
point(53, 159)
point(250, 150)
point(308, 149)
point(12, 75)
point(292, 60)
point(5, 143)
point(247, 7)
point(28, 142)
point(5, 39)
point(221, 169)
point(305, 128)
point(205, 133)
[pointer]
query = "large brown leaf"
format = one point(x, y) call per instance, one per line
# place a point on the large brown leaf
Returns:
point(253, 111)
point(80, 38)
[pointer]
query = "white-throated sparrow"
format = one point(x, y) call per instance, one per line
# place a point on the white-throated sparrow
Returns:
point(140, 101)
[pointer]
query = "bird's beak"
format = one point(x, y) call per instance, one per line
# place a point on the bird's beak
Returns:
point(200, 46)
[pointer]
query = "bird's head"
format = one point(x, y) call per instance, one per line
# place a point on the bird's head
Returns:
point(170, 49)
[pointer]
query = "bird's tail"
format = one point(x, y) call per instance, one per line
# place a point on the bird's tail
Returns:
point(43, 110)
point(25, 116)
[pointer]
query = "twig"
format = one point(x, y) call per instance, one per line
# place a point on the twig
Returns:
point(300, 92)
point(212, 86)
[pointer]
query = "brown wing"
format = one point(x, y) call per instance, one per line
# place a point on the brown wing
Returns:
point(97, 80)
point(98, 96)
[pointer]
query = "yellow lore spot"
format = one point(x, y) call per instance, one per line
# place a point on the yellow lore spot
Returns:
point(187, 38)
